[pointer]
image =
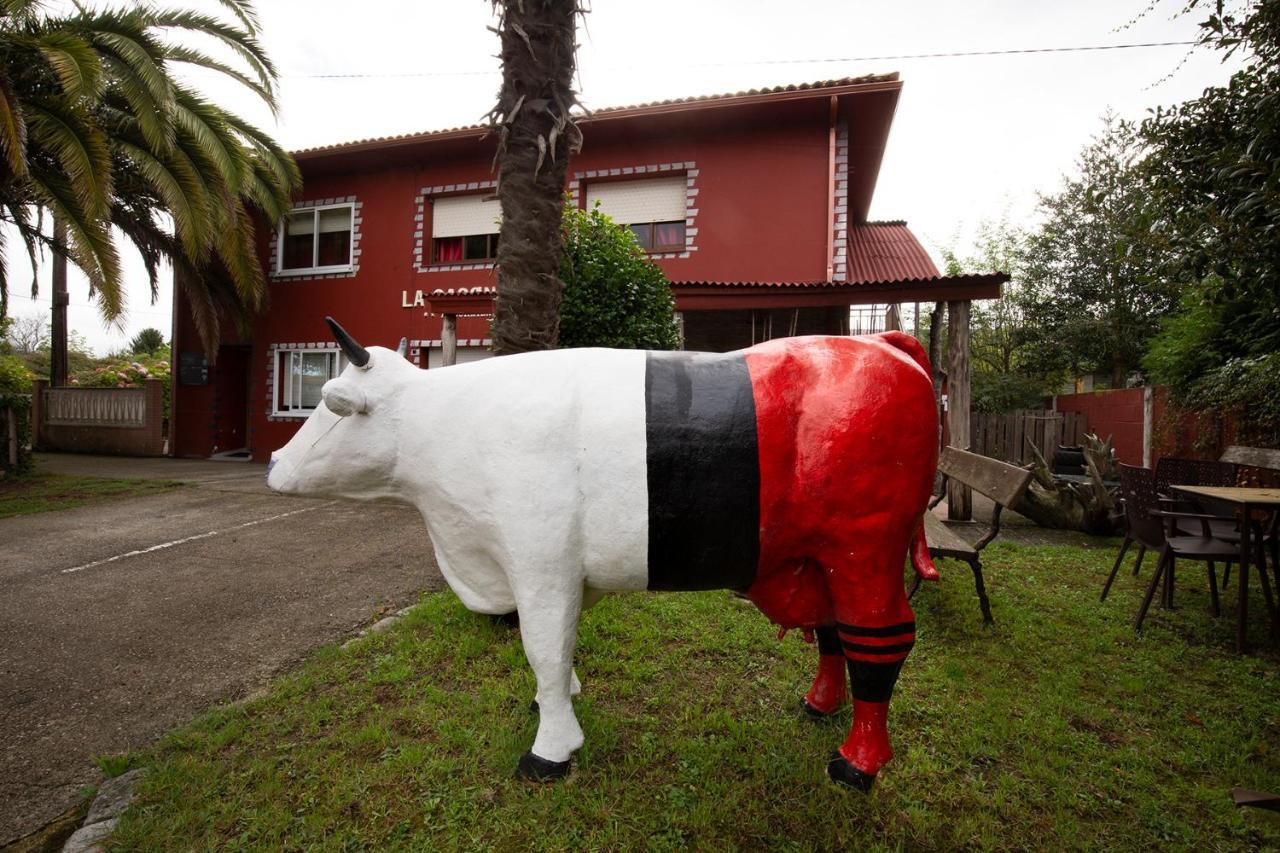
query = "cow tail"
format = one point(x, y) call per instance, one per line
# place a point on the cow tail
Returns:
point(920, 559)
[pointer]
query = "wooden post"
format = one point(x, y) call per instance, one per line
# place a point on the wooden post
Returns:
point(959, 498)
point(58, 368)
point(449, 340)
point(892, 320)
point(13, 437)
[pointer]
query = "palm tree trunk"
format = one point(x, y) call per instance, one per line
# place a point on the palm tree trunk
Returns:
point(58, 368)
point(536, 135)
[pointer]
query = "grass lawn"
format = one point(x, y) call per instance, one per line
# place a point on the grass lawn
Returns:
point(1057, 729)
point(41, 492)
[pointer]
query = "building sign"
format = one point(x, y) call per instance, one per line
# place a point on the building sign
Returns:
point(416, 301)
point(193, 369)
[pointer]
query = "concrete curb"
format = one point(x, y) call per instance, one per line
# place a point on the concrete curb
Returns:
point(381, 626)
point(113, 798)
point(116, 794)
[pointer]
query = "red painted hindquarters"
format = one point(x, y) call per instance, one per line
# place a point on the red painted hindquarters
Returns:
point(847, 435)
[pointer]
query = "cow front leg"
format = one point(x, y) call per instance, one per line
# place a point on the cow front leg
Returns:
point(875, 650)
point(828, 693)
point(548, 629)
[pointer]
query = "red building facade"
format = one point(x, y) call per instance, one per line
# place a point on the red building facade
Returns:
point(755, 204)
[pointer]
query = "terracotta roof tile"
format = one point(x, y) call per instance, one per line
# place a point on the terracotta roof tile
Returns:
point(606, 111)
point(887, 252)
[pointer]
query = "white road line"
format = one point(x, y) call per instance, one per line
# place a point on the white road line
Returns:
point(186, 539)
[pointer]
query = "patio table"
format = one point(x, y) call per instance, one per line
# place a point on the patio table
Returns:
point(1245, 500)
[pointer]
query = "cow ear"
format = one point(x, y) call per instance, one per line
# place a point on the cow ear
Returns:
point(343, 398)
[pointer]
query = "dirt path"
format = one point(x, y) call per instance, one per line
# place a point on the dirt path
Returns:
point(122, 620)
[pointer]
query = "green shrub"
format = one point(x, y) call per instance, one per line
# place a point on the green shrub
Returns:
point(14, 376)
point(614, 296)
point(15, 394)
point(127, 374)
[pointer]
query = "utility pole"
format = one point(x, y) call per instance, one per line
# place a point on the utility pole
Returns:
point(58, 346)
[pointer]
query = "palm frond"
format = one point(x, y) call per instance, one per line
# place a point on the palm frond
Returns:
point(80, 147)
point(236, 249)
point(207, 126)
point(181, 190)
point(192, 56)
point(75, 62)
point(287, 176)
point(89, 243)
point(244, 11)
point(20, 216)
point(13, 128)
point(240, 41)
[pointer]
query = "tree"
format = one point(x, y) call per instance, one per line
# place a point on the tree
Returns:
point(1001, 379)
point(27, 334)
point(536, 135)
point(1213, 175)
point(95, 131)
point(614, 296)
point(1091, 297)
point(147, 342)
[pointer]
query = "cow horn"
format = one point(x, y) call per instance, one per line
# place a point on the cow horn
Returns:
point(403, 348)
point(356, 354)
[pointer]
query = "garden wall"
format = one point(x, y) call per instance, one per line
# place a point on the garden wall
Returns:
point(113, 421)
point(1118, 414)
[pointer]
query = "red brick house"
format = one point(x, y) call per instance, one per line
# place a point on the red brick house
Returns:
point(754, 203)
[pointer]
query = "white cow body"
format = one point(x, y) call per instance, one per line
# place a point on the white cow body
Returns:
point(529, 471)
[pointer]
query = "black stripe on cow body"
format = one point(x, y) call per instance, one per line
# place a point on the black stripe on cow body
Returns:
point(885, 631)
point(703, 471)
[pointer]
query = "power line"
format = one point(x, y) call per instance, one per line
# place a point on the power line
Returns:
point(954, 54)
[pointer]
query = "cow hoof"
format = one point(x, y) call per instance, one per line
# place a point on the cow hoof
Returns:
point(812, 712)
point(534, 769)
point(844, 773)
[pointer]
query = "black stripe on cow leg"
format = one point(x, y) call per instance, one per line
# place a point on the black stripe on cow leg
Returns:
point(828, 640)
point(703, 471)
point(532, 768)
point(873, 682)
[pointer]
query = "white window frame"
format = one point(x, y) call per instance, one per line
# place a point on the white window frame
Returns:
point(315, 241)
point(284, 385)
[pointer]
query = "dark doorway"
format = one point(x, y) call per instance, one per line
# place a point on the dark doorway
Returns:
point(231, 398)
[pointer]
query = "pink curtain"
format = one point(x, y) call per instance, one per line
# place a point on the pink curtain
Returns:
point(448, 249)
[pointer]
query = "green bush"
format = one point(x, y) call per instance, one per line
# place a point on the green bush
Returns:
point(994, 393)
point(15, 393)
point(14, 376)
point(614, 296)
point(127, 374)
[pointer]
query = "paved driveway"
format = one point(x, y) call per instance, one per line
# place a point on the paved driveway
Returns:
point(122, 620)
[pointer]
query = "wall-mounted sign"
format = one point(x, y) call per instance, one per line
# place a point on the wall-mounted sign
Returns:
point(414, 301)
point(193, 369)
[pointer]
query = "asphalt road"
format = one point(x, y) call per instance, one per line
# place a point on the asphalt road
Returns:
point(122, 620)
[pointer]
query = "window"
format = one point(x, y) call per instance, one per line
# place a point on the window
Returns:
point(464, 228)
point(316, 239)
point(300, 374)
point(654, 209)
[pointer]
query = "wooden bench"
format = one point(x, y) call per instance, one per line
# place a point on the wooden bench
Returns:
point(1001, 482)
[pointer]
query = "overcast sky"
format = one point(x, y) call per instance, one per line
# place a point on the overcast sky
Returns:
point(974, 137)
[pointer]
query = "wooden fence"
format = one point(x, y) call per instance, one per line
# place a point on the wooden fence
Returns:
point(1006, 436)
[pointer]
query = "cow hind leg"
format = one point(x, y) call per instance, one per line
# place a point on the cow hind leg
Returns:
point(548, 629)
point(877, 630)
point(828, 693)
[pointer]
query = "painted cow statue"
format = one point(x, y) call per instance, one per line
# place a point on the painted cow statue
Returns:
point(796, 472)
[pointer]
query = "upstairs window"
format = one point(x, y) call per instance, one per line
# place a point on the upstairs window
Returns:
point(653, 208)
point(464, 229)
point(316, 239)
point(300, 374)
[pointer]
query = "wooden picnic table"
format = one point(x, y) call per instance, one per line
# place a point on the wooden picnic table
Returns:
point(1245, 500)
